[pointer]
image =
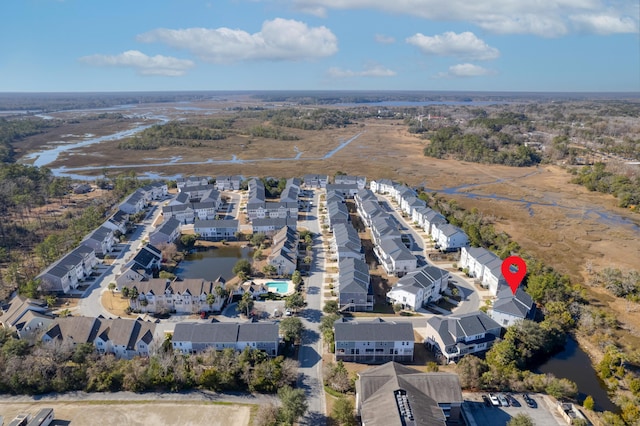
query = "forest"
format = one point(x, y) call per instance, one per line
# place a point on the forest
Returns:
point(43, 368)
point(600, 178)
point(492, 147)
point(12, 131)
point(33, 232)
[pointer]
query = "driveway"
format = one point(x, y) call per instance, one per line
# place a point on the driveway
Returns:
point(90, 303)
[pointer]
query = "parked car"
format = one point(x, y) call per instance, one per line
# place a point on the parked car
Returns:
point(487, 401)
point(503, 400)
point(513, 401)
point(530, 401)
point(494, 400)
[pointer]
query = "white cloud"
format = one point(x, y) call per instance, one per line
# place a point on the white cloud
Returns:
point(465, 70)
point(604, 24)
point(546, 18)
point(463, 45)
point(143, 64)
point(279, 39)
point(383, 39)
point(368, 71)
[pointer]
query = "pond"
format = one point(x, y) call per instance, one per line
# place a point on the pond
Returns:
point(574, 364)
point(213, 262)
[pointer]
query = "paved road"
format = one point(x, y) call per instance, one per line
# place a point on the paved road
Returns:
point(90, 303)
point(470, 301)
point(310, 354)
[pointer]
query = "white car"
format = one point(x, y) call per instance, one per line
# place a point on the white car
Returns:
point(494, 400)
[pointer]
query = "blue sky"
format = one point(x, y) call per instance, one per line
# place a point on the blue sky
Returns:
point(485, 45)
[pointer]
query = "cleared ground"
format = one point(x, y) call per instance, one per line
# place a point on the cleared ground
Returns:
point(106, 413)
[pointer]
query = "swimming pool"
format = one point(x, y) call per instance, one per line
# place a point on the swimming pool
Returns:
point(281, 287)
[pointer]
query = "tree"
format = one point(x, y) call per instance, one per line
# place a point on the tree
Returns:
point(112, 287)
point(242, 266)
point(343, 412)
point(294, 301)
point(294, 404)
point(470, 370)
point(269, 270)
point(257, 239)
point(166, 275)
point(521, 420)
point(125, 292)
point(307, 260)
point(337, 378)
point(291, 329)
point(245, 304)
point(168, 251)
point(188, 241)
point(211, 299)
point(588, 402)
point(296, 278)
point(331, 307)
point(326, 328)
point(267, 415)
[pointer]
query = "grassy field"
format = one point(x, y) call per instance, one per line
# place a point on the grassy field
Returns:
point(116, 413)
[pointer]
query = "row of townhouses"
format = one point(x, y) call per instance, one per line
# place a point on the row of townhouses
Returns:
point(446, 236)
point(284, 251)
point(389, 247)
point(222, 183)
point(216, 229)
point(124, 338)
point(188, 296)
point(141, 198)
point(142, 266)
point(418, 288)
point(337, 212)
point(67, 273)
point(373, 341)
point(312, 181)
point(355, 292)
point(259, 208)
point(483, 265)
point(192, 338)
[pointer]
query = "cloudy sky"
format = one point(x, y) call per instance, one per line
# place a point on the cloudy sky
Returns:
point(505, 45)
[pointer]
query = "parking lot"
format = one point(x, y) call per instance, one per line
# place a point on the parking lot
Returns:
point(543, 415)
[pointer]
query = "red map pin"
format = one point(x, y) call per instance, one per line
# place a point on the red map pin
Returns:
point(513, 271)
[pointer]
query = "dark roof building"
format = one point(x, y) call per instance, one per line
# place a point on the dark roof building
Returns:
point(392, 394)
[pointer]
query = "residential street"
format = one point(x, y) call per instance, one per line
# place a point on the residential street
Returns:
point(90, 303)
point(310, 354)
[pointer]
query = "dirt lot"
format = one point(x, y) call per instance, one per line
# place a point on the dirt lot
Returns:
point(107, 413)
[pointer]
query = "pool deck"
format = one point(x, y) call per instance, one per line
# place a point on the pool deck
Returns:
point(290, 287)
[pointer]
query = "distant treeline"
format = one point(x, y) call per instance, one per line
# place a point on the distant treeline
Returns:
point(12, 131)
point(316, 119)
point(497, 148)
point(597, 178)
point(173, 133)
point(196, 133)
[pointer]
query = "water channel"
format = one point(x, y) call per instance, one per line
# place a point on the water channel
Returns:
point(574, 364)
point(213, 262)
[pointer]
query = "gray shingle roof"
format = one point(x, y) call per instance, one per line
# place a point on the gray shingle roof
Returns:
point(377, 387)
point(377, 330)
